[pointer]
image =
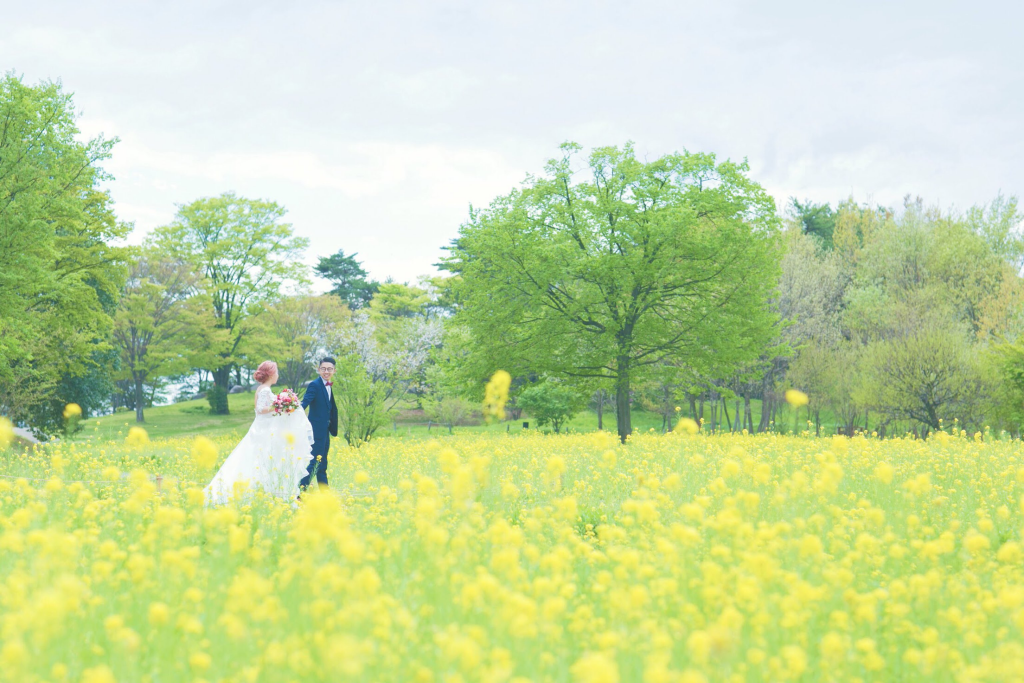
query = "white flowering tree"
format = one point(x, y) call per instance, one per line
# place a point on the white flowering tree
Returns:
point(378, 363)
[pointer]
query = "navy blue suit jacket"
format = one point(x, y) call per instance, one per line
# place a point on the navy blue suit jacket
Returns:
point(323, 411)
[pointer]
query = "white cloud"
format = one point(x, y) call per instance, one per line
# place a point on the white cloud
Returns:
point(376, 124)
point(366, 169)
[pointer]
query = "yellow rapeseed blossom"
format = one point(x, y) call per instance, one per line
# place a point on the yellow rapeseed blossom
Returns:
point(686, 426)
point(1010, 553)
point(884, 473)
point(137, 438)
point(595, 667)
point(796, 398)
point(200, 661)
point(204, 453)
point(6, 432)
point(72, 410)
point(496, 395)
point(521, 558)
point(99, 674)
point(159, 614)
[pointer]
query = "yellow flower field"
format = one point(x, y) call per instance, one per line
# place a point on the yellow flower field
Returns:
point(522, 558)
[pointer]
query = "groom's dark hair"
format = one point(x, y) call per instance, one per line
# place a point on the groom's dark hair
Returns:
point(328, 359)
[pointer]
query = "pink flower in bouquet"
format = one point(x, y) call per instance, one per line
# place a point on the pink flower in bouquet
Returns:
point(287, 402)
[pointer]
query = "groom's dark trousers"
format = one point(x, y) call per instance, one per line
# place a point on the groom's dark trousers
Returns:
point(323, 416)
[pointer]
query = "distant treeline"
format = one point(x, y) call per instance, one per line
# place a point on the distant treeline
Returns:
point(607, 281)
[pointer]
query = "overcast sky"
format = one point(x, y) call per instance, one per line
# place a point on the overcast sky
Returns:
point(378, 123)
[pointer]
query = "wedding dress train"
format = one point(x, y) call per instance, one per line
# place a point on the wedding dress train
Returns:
point(271, 457)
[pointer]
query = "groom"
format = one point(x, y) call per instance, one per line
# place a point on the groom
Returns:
point(323, 416)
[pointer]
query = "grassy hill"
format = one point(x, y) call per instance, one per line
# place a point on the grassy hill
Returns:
point(178, 419)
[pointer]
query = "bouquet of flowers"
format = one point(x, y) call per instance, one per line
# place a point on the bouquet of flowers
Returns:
point(286, 403)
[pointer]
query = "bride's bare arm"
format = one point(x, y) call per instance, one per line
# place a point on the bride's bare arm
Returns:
point(264, 402)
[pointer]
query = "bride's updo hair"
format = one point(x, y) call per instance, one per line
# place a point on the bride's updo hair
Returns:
point(265, 371)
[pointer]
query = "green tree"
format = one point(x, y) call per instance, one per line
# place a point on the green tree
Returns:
point(812, 289)
point(378, 366)
point(398, 300)
point(153, 324)
point(926, 376)
point(59, 273)
point(830, 376)
point(448, 410)
point(600, 400)
point(90, 388)
point(1004, 362)
point(443, 295)
point(246, 254)
point(297, 332)
point(348, 277)
point(815, 219)
point(605, 278)
point(1000, 225)
point(550, 403)
point(364, 404)
point(660, 394)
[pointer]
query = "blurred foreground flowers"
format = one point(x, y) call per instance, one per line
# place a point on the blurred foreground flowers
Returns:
point(496, 395)
point(677, 558)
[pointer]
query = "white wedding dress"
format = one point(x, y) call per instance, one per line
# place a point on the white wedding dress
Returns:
point(271, 457)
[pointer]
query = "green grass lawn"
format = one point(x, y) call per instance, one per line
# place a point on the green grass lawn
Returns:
point(191, 418)
point(188, 418)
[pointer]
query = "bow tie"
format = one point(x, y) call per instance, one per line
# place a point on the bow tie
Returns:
point(327, 384)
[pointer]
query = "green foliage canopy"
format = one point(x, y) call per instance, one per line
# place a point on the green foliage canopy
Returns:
point(348, 277)
point(156, 323)
point(550, 403)
point(297, 332)
point(815, 219)
point(607, 277)
point(245, 254)
point(59, 274)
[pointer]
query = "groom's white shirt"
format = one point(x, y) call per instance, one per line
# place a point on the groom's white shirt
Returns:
point(328, 390)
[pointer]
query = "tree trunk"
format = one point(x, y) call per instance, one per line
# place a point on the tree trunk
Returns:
point(600, 409)
point(221, 384)
point(693, 406)
point(725, 411)
point(766, 413)
point(140, 400)
point(623, 418)
point(748, 416)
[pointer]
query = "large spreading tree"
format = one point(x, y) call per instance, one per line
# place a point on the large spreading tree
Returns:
point(59, 273)
point(245, 254)
point(611, 274)
point(155, 324)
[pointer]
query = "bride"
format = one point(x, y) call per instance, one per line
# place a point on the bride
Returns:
point(272, 456)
